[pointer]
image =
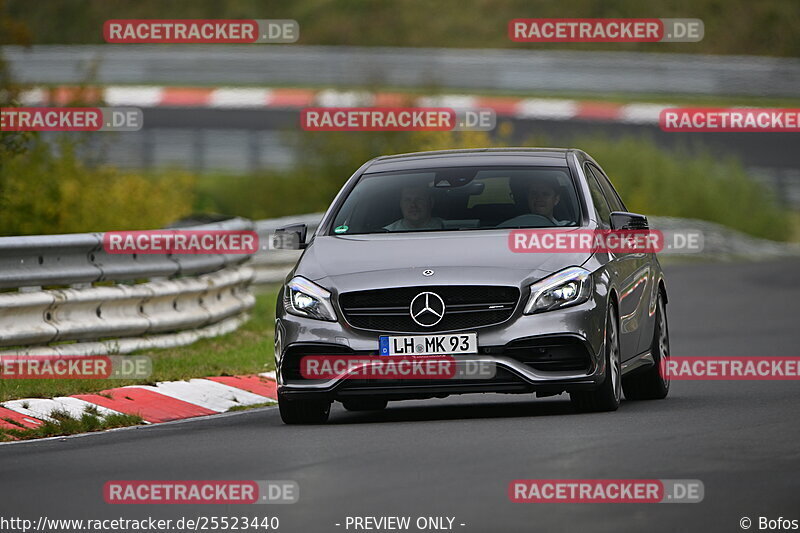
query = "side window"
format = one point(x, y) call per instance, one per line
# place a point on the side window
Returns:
point(611, 194)
point(598, 199)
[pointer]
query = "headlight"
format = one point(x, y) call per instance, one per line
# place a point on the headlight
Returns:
point(571, 286)
point(304, 298)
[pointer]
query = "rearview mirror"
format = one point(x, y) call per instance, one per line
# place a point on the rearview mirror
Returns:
point(290, 237)
point(624, 220)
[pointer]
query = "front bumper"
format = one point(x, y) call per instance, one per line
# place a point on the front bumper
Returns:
point(546, 353)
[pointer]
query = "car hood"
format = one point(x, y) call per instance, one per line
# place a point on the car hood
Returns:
point(358, 262)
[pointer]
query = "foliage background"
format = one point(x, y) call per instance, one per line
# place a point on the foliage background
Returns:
point(763, 27)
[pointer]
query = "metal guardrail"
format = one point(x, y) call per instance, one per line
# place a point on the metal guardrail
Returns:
point(344, 66)
point(69, 289)
point(43, 260)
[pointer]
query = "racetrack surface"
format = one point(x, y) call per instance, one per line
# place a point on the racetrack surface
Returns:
point(456, 456)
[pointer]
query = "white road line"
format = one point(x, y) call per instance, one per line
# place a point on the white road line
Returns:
point(139, 96)
point(641, 113)
point(453, 101)
point(546, 109)
point(233, 97)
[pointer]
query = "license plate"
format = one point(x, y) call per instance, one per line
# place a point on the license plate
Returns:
point(429, 344)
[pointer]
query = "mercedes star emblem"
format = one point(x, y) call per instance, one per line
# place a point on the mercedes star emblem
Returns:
point(427, 272)
point(427, 309)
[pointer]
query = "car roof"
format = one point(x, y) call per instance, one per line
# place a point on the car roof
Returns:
point(550, 157)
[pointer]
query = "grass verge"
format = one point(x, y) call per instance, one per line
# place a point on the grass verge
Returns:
point(795, 224)
point(248, 350)
point(63, 423)
point(247, 407)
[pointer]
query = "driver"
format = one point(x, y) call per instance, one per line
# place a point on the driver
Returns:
point(543, 197)
point(416, 203)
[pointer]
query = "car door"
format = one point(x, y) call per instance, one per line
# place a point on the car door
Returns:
point(635, 282)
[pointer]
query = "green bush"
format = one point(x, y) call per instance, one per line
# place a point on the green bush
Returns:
point(765, 27)
point(48, 189)
point(690, 184)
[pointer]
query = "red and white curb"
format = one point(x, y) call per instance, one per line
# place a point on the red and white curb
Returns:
point(163, 402)
point(281, 98)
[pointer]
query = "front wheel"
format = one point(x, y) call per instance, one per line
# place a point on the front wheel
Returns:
point(304, 411)
point(653, 383)
point(608, 395)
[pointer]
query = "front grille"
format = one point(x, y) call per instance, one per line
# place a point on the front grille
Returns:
point(466, 307)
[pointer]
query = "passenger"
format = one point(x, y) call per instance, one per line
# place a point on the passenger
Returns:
point(543, 197)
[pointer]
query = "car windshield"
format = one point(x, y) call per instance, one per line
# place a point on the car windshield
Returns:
point(460, 198)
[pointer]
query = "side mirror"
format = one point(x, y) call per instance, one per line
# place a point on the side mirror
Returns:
point(623, 220)
point(290, 237)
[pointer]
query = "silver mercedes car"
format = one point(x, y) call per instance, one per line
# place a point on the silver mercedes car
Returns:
point(414, 257)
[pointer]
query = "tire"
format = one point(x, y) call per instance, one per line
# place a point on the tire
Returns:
point(608, 395)
point(653, 383)
point(304, 411)
point(365, 404)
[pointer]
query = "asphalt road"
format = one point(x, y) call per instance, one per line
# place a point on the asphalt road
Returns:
point(456, 457)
